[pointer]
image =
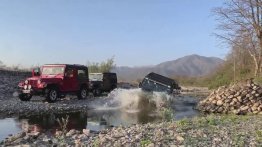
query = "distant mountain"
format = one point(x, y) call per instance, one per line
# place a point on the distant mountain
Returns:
point(192, 65)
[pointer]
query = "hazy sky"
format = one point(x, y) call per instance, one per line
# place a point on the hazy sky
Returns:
point(135, 32)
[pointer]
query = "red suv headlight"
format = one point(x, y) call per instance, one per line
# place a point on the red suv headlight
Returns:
point(38, 82)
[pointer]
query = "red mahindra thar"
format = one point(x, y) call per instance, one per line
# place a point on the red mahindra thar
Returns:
point(54, 81)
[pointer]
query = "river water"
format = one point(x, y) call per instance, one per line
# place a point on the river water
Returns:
point(107, 112)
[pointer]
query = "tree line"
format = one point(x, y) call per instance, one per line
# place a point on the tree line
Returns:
point(94, 67)
point(240, 28)
point(104, 66)
point(240, 25)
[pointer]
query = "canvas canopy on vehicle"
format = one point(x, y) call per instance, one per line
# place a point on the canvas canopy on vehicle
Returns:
point(159, 83)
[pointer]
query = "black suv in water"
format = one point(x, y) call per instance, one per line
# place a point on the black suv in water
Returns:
point(158, 83)
point(102, 82)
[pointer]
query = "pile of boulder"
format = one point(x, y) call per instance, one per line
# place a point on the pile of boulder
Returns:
point(241, 98)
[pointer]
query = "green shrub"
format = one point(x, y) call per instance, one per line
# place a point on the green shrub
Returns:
point(105, 66)
point(145, 142)
point(183, 123)
point(167, 114)
point(259, 136)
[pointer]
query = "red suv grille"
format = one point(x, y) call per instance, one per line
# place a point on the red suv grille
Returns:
point(33, 82)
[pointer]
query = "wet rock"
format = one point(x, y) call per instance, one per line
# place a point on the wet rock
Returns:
point(219, 103)
point(86, 132)
point(180, 138)
point(71, 132)
point(15, 137)
point(151, 145)
point(244, 108)
point(239, 98)
point(33, 134)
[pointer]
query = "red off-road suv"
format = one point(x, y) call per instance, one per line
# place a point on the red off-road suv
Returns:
point(55, 81)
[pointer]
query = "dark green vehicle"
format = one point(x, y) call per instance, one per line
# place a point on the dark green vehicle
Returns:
point(102, 82)
point(159, 83)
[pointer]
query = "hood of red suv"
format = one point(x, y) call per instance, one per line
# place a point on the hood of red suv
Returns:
point(47, 79)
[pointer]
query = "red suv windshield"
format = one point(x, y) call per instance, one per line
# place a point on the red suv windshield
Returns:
point(55, 70)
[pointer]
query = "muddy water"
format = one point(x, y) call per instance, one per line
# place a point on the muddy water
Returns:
point(107, 112)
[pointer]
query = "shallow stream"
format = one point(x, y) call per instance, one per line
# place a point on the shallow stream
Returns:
point(106, 112)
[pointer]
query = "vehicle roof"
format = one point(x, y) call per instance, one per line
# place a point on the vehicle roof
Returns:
point(102, 73)
point(160, 78)
point(109, 73)
point(96, 73)
point(67, 65)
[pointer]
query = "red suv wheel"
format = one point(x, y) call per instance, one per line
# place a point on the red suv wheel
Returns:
point(52, 95)
point(25, 97)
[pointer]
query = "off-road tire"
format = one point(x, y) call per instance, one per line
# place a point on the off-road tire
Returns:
point(25, 97)
point(113, 87)
point(52, 95)
point(83, 93)
point(97, 92)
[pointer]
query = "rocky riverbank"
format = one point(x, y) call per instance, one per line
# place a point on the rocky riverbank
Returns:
point(241, 98)
point(37, 106)
point(229, 130)
point(9, 81)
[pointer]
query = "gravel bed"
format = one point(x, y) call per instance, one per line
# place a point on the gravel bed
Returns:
point(15, 107)
point(229, 130)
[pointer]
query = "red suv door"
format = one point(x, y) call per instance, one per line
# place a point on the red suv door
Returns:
point(74, 80)
point(70, 82)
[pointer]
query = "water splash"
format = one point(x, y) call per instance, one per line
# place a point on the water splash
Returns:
point(133, 100)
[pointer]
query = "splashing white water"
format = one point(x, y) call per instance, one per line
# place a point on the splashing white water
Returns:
point(136, 98)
